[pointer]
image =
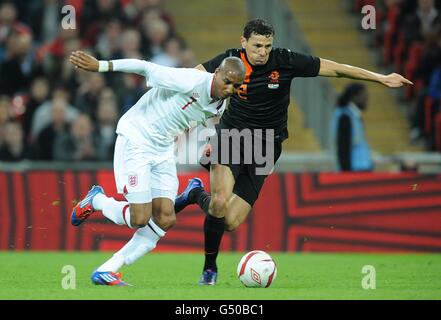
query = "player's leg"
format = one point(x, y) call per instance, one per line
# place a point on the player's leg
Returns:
point(221, 185)
point(139, 244)
point(132, 177)
point(165, 185)
point(238, 210)
point(233, 206)
point(134, 215)
point(164, 178)
point(246, 191)
point(212, 155)
point(225, 214)
point(143, 241)
point(188, 196)
point(146, 238)
point(215, 207)
point(165, 182)
point(163, 213)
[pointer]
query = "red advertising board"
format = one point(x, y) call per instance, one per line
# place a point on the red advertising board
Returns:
point(328, 212)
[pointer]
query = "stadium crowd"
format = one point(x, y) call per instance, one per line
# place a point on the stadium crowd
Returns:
point(49, 110)
point(408, 36)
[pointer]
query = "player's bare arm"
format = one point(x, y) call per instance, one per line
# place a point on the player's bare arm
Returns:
point(330, 68)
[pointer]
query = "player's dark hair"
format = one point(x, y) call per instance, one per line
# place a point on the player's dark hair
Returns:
point(350, 91)
point(258, 26)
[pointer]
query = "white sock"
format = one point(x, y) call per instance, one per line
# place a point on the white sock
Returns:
point(117, 211)
point(143, 241)
point(146, 239)
point(99, 201)
point(113, 264)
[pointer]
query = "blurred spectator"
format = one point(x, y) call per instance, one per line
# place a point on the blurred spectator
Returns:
point(95, 16)
point(109, 41)
point(139, 12)
point(44, 146)
point(42, 116)
point(426, 73)
point(107, 94)
point(156, 33)
point(8, 14)
point(105, 129)
point(18, 68)
point(187, 58)
point(80, 143)
point(418, 24)
point(88, 94)
point(130, 44)
point(13, 148)
point(67, 75)
point(5, 115)
point(44, 17)
point(171, 53)
point(8, 25)
point(129, 91)
point(41, 90)
point(53, 54)
point(423, 121)
point(39, 94)
point(410, 42)
point(352, 147)
point(431, 55)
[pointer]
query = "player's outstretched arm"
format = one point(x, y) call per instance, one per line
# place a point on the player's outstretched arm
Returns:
point(330, 68)
point(87, 62)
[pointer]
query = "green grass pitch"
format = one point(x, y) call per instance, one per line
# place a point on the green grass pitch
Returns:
point(170, 276)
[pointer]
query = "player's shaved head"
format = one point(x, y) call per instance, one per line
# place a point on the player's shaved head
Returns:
point(233, 66)
point(229, 76)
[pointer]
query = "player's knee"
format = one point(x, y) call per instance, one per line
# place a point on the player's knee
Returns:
point(218, 204)
point(231, 226)
point(139, 217)
point(165, 220)
point(138, 221)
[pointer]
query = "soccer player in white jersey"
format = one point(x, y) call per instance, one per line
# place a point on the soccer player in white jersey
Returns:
point(144, 165)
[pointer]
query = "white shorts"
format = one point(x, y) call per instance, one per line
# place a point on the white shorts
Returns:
point(142, 173)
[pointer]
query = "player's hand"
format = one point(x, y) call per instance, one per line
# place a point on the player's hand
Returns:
point(84, 61)
point(394, 80)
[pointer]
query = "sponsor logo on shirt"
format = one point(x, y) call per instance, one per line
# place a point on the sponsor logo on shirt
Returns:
point(274, 80)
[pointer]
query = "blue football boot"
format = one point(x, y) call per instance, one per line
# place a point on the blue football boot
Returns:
point(183, 199)
point(84, 208)
point(208, 278)
point(108, 278)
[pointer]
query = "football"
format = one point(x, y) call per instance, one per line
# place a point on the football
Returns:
point(257, 269)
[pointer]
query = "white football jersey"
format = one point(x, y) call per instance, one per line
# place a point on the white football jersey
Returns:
point(179, 100)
